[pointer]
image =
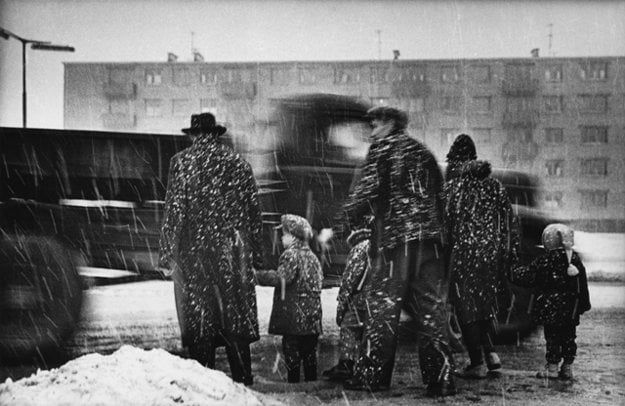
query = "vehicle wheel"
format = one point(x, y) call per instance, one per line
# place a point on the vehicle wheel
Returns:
point(40, 296)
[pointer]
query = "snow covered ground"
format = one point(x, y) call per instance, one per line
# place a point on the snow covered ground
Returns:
point(130, 376)
point(603, 254)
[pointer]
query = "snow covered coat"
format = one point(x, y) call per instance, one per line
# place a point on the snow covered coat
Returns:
point(212, 231)
point(559, 298)
point(297, 296)
point(401, 185)
point(351, 297)
point(479, 222)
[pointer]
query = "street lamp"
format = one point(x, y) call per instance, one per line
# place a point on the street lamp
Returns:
point(37, 45)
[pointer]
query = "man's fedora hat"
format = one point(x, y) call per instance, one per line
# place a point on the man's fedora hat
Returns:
point(204, 123)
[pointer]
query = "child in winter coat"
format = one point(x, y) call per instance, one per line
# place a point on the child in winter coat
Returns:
point(351, 306)
point(560, 297)
point(296, 313)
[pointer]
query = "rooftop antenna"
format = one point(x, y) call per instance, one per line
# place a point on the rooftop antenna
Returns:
point(193, 50)
point(550, 38)
point(379, 34)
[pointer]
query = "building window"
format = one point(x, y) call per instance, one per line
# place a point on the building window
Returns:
point(119, 106)
point(379, 74)
point(449, 74)
point(593, 103)
point(553, 200)
point(208, 106)
point(522, 103)
point(279, 76)
point(448, 135)
point(594, 134)
point(153, 107)
point(554, 167)
point(594, 71)
point(594, 198)
point(307, 76)
point(595, 167)
point(411, 75)
point(482, 135)
point(208, 77)
point(153, 77)
point(346, 76)
point(553, 104)
point(181, 76)
point(411, 105)
point(482, 104)
point(181, 107)
point(479, 74)
point(379, 101)
point(450, 104)
point(553, 73)
point(518, 73)
point(232, 76)
point(554, 135)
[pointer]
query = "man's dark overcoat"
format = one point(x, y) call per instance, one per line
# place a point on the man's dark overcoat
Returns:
point(212, 230)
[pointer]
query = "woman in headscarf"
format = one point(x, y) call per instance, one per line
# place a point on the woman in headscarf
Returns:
point(479, 223)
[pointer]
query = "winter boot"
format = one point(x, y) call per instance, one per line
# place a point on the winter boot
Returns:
point(471, 371)
point(566, 371)
point(550, 371)
point(492, 361)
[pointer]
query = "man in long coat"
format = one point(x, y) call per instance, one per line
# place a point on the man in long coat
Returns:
point(402, 187)
point(210, 242)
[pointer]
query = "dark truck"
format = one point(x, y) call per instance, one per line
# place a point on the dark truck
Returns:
point(74, 206)
point(320, 142)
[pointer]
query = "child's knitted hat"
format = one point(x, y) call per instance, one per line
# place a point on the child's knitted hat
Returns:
point(558, 236)
point(297, 226)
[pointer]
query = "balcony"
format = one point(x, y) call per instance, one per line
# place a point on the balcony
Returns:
point(116, 90)
point(522, 118)
point(238, 90)
point(519, 87)
point(119, 121)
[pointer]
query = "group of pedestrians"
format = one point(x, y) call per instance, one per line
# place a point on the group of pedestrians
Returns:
point(420, 242)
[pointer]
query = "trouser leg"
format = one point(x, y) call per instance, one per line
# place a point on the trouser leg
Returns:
point(429, 285)
point(203, 351)
point(569, 347)
point(553, 344)
point(290, 348)
point(487, 331)
point(308, 354)
point(472, 337)
point(374, 365)
point(240, 360)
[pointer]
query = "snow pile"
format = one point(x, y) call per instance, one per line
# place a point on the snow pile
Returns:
point(130, 376)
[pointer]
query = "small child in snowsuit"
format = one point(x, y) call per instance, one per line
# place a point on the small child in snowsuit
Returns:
point(296, 312)
point(351, 307)
point(560, 297)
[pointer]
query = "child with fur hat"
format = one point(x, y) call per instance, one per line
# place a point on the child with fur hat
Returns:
point(560, 297)
point(296, 312)
point(351, 307)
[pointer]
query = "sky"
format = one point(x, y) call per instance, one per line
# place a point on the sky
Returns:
point(284, 30)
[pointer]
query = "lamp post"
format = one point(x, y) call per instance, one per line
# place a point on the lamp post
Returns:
point(37, 45)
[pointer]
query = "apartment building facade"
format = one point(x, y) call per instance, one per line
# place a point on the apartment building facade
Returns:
point(562, 119)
